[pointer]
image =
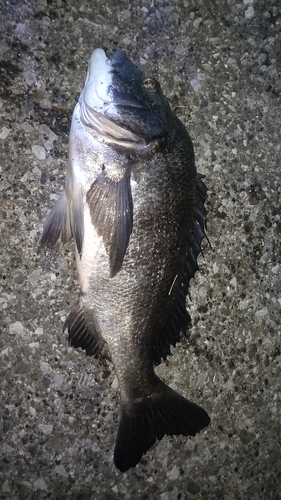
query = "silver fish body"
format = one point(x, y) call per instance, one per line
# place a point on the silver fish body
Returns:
point(135, 207)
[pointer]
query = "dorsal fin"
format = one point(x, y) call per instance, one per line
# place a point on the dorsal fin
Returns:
point(179, 319)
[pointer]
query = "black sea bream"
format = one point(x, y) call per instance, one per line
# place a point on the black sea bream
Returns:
point(135, 207)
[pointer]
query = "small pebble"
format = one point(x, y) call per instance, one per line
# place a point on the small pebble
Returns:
point(34, 276)
point(45, 428)
point(16, 328)
point(168, 9)
point(261, 313)
point(60, 470)
point(44, 367)
point(5, 487)
point(59, 380)
point(39, 331)
point(173, 474)
point(29, 77)
point(39, 152)
point(40, 484)
point(4, 133)
point(27, 127)
point(4, 46)
point(249, 12)
point(6, 448)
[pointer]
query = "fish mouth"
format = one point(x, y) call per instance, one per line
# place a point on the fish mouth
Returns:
point(101, 101)
point(99, 90)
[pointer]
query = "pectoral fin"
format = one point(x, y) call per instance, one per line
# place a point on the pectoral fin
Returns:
point(65, 220)
point(58, 223)
point(77, 221)
point(111, 209)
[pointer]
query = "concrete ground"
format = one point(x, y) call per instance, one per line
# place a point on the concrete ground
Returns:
point(219, 63)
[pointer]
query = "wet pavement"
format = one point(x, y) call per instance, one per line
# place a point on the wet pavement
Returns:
point(219, 63)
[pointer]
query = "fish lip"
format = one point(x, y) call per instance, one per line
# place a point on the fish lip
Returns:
point(95, 91)
point(126, 104)
point(123, 100)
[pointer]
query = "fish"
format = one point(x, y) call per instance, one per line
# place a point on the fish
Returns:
point(135, 206)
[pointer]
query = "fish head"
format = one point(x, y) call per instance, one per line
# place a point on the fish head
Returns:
point(119, 101)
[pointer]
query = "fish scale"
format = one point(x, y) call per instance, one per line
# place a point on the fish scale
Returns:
point(135, 206)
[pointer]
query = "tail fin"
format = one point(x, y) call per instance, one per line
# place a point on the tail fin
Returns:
point(142, 423)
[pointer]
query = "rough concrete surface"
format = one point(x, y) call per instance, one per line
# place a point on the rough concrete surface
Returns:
point(219, 63)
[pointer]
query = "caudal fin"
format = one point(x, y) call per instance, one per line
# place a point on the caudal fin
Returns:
point(142, 423)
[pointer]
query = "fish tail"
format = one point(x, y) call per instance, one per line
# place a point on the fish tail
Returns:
point(141, 423)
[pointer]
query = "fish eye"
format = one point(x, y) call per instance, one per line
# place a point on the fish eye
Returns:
point(149, 85)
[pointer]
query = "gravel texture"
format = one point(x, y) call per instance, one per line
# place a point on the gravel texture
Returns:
point(220, 65)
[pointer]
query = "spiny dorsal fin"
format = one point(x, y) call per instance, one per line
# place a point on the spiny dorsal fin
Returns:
point(179, 319)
